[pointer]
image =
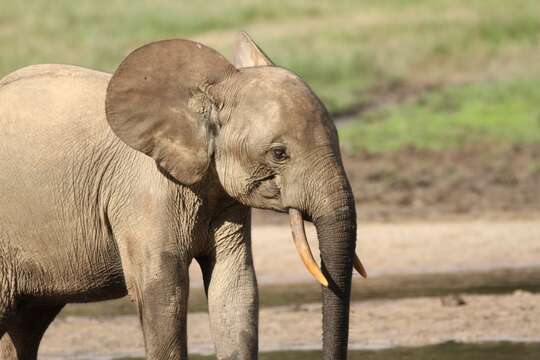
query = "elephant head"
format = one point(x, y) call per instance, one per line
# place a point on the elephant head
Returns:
point(264, 134)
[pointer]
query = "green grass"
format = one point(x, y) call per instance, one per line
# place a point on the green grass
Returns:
point(495, 112)
point(534, 168)
point(344, 49)
point(353, 53)
point(446, 351)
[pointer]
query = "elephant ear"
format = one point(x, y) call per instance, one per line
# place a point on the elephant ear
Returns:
point(248, 54)
point(157, 102)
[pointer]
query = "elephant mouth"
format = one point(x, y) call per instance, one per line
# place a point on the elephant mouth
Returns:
point(266, 187)
point(304, 251)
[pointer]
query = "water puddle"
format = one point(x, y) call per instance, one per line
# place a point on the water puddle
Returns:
point(444, 351)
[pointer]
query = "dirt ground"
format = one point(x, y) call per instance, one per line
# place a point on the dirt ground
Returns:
point(428, 184)
point(374, 324)
point(405, 247)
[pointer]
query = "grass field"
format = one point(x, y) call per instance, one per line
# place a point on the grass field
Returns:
point(502, 112)
point(419, 73)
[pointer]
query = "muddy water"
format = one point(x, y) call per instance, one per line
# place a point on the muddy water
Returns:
point(497, 281)
point(444, 351)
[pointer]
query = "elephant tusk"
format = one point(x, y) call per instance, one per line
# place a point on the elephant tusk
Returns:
point(302, 246)
point(359, 267)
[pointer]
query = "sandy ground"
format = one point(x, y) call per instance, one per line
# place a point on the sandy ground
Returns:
point(385, 249)
point(406, 248)
point(374, 324)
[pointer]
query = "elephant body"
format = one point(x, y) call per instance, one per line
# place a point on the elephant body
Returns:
point(112, 184)
point(56, 209)
point(85, 218)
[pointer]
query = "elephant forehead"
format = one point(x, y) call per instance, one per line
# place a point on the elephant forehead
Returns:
point(281, 87)
point(300, 116)
point(275, 102)
point(275, 119)
point(286, 104)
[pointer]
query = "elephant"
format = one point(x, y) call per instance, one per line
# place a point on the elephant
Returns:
point(111, 184)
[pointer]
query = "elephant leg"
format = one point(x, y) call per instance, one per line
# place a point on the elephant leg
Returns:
point(7, 349)
point(231, 288)
point(160, 289)
point(25, 330)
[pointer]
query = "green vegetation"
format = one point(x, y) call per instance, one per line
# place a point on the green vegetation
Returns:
point(496, 112)
point(445, 351)
point(382, 56)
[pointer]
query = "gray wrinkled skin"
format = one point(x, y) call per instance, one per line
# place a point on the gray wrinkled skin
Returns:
point(96, 204)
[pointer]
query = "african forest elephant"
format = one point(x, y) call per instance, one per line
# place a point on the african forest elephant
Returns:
point(111, 185)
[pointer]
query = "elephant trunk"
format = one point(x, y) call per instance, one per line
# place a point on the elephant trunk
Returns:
point(336, 230)
point(332, 210)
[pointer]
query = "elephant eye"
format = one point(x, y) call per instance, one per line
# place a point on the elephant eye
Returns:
point(279, 154)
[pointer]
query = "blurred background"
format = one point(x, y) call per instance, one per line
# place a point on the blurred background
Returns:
point(437, 105)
